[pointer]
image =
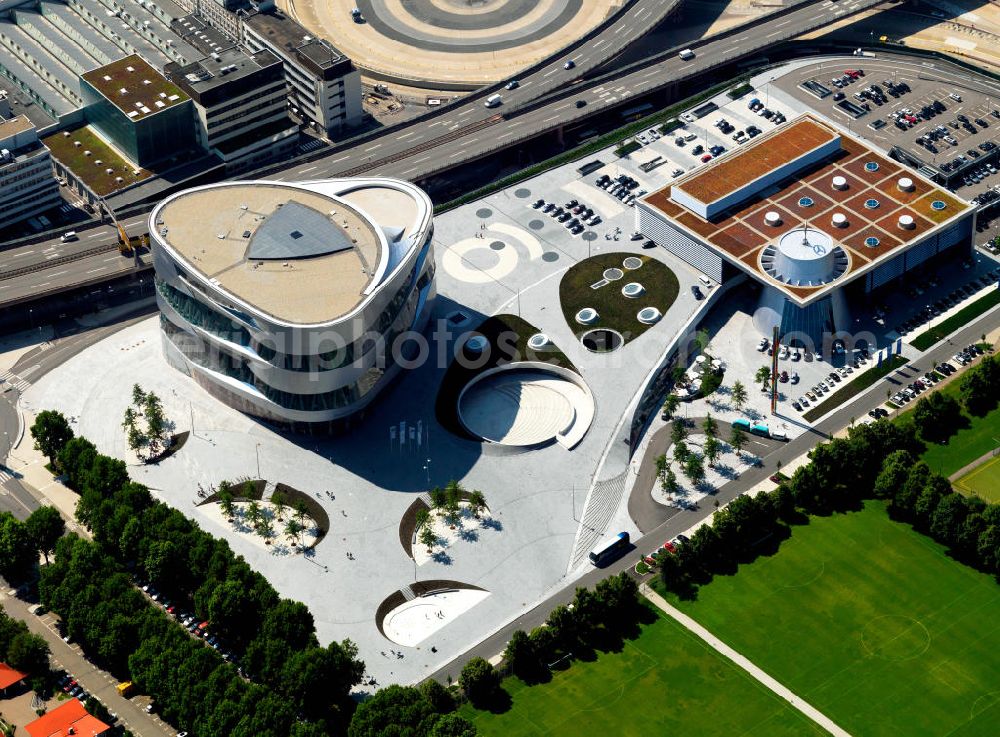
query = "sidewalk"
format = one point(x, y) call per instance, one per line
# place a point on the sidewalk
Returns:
point(756, 673)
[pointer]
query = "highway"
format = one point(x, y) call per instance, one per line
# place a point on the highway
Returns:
point(469, 131)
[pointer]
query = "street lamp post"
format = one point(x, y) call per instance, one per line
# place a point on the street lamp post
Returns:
point(257, 451)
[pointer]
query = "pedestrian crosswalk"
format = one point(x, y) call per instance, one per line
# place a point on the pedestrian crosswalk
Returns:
point(5, 475)
point(11, 380)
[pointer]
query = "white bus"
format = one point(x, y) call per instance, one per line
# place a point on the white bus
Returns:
point(609, 550)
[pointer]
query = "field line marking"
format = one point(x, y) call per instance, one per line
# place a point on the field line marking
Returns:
point(745, 663)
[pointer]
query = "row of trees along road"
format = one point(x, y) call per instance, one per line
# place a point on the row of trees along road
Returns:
point(874, 461)
point(298, 688)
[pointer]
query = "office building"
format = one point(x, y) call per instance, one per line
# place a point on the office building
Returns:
point(27, 185)
point(324, 86)
point(288, 301)
point(138, 111)
point(240, 106)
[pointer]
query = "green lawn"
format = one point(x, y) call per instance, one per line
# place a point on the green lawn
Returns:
point(966, 445)
point(871, 623)
point(665, 682)
point(615, 310)
point(983, 481)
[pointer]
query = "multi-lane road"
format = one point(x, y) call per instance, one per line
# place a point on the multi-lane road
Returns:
point(466, 131)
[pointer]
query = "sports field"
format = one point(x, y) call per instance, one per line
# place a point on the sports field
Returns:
point(871, 623)
point(983, 481)
point(665, 682)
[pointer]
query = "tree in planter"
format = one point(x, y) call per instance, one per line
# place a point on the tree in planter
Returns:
point(265, 528)
point(678, 430)
point(694, 468)
point(681, 451)
point(301, 511)
point(709, 426)
point(51, 432)
point(739, 395)
point(670, 405)
point(662, 466)
point(427, 538)
point(737, 439)
point(293, 529)
point(477, 502)
point(453, 512)
point(669, 482)
point(712, 449)
point(138, 396)
point(280, 504)
point(763, 377)
point(438, 498)
point(422, 518)
point(135, 438)
point(253, 514)
point(453, 494)
point(156, 422)
point(226, 503)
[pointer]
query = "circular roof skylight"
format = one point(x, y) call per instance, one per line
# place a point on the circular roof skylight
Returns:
point(871, 241)
point(871, 166)
point(806, 201)
point(871, 204)
point(938, 205)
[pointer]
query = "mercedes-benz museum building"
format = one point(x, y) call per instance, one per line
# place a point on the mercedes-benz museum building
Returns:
point(291, 301)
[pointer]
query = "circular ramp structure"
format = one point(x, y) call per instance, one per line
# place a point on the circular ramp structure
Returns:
point(527, 405)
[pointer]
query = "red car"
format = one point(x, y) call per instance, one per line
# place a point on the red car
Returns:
point(852, 73)
point(706, 157)
point(669, 547)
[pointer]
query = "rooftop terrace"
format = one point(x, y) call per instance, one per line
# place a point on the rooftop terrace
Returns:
point(92, 168)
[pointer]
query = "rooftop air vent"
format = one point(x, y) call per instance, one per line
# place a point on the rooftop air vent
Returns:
point(772, 218)
point(906, 222)
point(839, 220)
point(905, 184)
point(839, 182)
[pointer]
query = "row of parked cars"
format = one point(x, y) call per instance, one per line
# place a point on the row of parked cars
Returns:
point(668, 548)
point(623, 187)
point(574, 215)
point(826, 385)
point(193, 624)
point(955, 296)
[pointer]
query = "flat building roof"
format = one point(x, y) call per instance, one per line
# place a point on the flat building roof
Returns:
point(864, 202)
point(134, 87)
point(310, 267)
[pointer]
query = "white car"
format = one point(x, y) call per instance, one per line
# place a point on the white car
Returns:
point(783, 353)
point(762, 345)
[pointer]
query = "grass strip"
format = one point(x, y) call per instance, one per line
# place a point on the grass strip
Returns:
point(961, 318)
point(853, 388)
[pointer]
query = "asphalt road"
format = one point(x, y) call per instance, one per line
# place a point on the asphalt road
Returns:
point(99, 683)
point(684, 519)
point(468, 131)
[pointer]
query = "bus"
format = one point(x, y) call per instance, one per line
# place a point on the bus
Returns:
point(609, 550)
point(759, 429)
point(742, 424)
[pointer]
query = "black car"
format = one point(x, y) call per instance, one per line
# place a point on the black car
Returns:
point(581, 103)
point(697, 292)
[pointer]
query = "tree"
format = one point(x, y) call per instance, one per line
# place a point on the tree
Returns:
point(293, 530)
point(438, 498)
point(156, 422)
point(522, 656)
point(712, 449)
point(138, 396)
point(670, 404)
point(280, 505)
point(253, 513)
point(428, 538)
point(226, 504)
point(394, 710)
point(17, 549)
point(477, 502)
point(678, 430)
point(694, 469)
point(29, 653)
point(51, 432)
point(46, 526)
point(669, 482)
point(763, 377)
point(135, 438)
point(440, 698)
point(709, 426)
point(937, 416)
point(681, 451)
point(739, 395)
point(737, 439)
point(452, 725)
point(479, 680)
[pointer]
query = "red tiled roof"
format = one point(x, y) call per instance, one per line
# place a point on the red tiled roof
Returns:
point(70, 715)
point(9, 676)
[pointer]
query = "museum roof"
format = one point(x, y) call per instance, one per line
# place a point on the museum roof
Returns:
point(870, 197)
point(291, 253)
point(134, 87)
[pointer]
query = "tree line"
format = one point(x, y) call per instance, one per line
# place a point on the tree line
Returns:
point(22, 542)
point(292, 686)
point(874, 461)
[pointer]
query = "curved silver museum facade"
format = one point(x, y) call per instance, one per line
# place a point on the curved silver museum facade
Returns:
point(292, 301)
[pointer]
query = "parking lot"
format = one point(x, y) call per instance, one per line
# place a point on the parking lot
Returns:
point(932, 117)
